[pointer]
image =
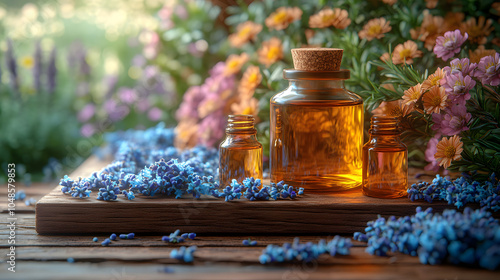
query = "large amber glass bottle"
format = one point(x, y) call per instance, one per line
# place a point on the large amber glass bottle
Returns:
point(317, 125)
point(385, 160)
point(240, 154)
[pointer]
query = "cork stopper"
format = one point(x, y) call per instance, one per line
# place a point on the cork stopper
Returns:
point(317, 59)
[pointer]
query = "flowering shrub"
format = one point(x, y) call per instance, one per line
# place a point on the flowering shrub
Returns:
point(422, 36)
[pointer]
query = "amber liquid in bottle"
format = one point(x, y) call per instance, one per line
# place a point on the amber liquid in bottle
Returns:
point(317, 136)
point(385, 160)
point(240, 154)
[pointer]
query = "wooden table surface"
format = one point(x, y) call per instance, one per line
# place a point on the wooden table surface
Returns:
point(217, 257)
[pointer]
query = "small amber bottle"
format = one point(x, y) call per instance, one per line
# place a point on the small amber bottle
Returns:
point(240, 154)
point(385, 160)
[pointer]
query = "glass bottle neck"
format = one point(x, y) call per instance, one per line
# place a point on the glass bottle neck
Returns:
point(309, 84)
point(241, 125)
point(384, 127)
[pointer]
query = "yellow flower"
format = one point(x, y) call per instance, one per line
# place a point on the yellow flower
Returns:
point(412, 94)
point(27, 62)
point(448, 150)
point(433, 80)
point(479, 53)
point(431, 28)
point(246, 107)
point(435, 100)
point(337, 18)
point(270, 51)
point(375, 28)
point(234, 63)
point(250, 81)
point(282, 17)
point(405, 52)
point(478, 31)
point(245, 32)
point(431, 4)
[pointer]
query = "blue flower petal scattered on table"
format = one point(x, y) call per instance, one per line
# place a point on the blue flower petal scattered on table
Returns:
point(470, 238)
point(184, 254)
point(305, 252)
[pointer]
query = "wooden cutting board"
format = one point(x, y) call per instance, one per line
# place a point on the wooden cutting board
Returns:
point(342, 213)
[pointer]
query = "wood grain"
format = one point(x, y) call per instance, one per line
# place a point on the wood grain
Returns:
point(343, 212)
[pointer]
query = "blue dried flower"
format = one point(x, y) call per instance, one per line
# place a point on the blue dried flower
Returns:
point(305, 252)
point(192, 235)
point(459, 238)
point(109, 192)
point(174, 237)
point(95, 239)
point(183, 253)
point(106, 242)
point(20, 195)
point(113, 236)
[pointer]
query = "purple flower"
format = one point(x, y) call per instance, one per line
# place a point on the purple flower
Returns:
point(139, 60)
point(127, 95)
point(12, 65)
point(458, 87)
point(52, 71)
point(37, 67)
point(455, 120)
point(86, 113)
point(87, 130)
point(189, 106)
point(212, 128)
point(461, 65)
point(115, 112)
point(143, 105)
point(488, 70)
point(449, 44)
point(155, 114)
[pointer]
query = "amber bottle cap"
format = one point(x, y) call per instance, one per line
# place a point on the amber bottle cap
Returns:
point(317, 59)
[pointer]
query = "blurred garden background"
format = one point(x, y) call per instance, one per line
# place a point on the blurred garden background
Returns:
point(72, 70)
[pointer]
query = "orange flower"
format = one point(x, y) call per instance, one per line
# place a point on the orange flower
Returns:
point(385, 57)
point(337, 18)
point(390, 2)
point(234, 63)
point(405, 52)
point(479, 53)
point(375, 28)
point(453, 20)
point(246, 107)
point(478, 31)
point(282, 17)
point(433, 80)
point(245, 32)
point(448, 150)
point(431, 4)
point(250, 81)
point(435, 100)
point(431, 28)
point(186, 134)
point(270, 51)
point(412, 94)
point(395, 108)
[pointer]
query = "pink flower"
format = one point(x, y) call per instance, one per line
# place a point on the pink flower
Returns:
point(86, 113)
point(455, 120)
point(87, 130)
point(488, 70)
point(143, 105)
point(449, 44)
point(461, 65)
point(155, 114)
point(429, 154)
point(127, 95)
point(190, 102)
point(212, 129)
point(458, 87)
